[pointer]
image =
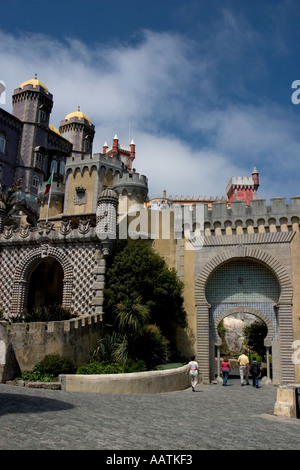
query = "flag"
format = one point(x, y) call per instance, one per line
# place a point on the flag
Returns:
point(48, 184)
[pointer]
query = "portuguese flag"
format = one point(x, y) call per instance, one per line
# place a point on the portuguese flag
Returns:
point(48, 184)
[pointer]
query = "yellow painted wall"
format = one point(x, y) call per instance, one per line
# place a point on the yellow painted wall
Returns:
point(56, 208)
point(169, 250)
point(295, 258)
point(86, 180)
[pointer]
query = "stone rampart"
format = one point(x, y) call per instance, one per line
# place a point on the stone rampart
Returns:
point(75, 338)
point(258, 209)
point(221, 218)
point(134, 383)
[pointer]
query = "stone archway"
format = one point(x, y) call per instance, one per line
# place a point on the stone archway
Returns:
point(26, 267)
point(283, 307)
point(244, 309)
point(45, 284)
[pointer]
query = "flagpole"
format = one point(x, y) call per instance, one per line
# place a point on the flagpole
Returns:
point(49, 198)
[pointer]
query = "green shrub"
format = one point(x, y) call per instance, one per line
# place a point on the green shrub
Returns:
point(54, 364)
point(49, 368)
point(112, 368)
point(100, 368)
point(138, 366)
point(44, 314)
point(35, 377)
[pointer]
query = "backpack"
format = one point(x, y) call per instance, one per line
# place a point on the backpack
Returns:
point(255, 368)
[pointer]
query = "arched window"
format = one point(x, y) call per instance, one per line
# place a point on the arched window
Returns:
point(2, 142)
point(53, 167)
point(35, 181)
point(62, 168)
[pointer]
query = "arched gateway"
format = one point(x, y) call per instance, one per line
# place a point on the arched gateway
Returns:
point(251, 280)
point(43, 255)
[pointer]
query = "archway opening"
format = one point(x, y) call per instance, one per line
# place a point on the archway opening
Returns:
point(45, 285)
point(243, 332)
point(240, 286)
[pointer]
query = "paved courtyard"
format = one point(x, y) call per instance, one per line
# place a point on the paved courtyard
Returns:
point(212, 418)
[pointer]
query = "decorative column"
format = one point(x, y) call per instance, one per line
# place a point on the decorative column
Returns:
point(268, 363)
point(203, 341)
point(2, 215)
point(106, 230)
point(106, 219)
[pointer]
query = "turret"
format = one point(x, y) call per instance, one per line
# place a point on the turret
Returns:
point(32, 102)
point(125, 154)
point(106, 219)
point(243, 188)
point(78, 129)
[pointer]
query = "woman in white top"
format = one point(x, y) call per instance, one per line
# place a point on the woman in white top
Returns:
point(193, 371)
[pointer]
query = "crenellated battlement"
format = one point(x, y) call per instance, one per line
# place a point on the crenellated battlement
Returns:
point(33, 341)
point(241, 182)
point(130, 178)
point(130, 182)
point(237, 217)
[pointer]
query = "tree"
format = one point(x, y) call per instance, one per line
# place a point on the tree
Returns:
point(8, 198)
point(133, 338)
point(140, 285)
point(255, 334)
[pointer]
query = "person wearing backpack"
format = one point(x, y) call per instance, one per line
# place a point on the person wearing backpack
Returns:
point(254, 370)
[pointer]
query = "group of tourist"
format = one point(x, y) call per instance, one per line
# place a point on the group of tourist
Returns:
point(244, 366)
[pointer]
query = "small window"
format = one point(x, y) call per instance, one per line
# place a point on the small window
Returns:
point(62, 168)
point(43, 115)
point(35, 182)
point(38, 157)
point(2, 142)
point(53, 167)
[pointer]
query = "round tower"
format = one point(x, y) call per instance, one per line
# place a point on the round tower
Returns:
point(32, 102)
point(133, 186)
point(106, 219)
point(78, 129)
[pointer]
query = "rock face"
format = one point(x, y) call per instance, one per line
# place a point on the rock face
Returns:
point(9, 367)
point(234, 325)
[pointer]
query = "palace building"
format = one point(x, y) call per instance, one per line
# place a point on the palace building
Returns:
point(235, 255)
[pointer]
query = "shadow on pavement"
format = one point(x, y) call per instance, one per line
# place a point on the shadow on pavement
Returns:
point(17, 403)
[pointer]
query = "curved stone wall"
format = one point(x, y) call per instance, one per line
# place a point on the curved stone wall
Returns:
point(159, 381)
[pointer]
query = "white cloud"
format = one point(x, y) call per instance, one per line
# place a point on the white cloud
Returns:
point(166, 89)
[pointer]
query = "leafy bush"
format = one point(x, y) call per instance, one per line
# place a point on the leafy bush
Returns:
point(49, 368)
point(54, 364)
point(113, 368)
point(44, 314)
point(138, 276)
point(35, 376)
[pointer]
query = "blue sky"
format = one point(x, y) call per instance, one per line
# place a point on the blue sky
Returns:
point(203, 87)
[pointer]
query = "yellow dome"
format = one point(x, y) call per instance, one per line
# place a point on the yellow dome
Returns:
point(52, 128)
point(79, 115)
point(34, 82)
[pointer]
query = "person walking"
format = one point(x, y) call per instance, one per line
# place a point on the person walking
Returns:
point(193, 371)
point(254, 370)
point(244, 368)
point(225, 367)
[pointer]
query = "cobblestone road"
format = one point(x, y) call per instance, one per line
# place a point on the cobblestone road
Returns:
point(212, 418)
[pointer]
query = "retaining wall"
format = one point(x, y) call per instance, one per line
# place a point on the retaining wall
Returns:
point(75, 338)
point(134, 383)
